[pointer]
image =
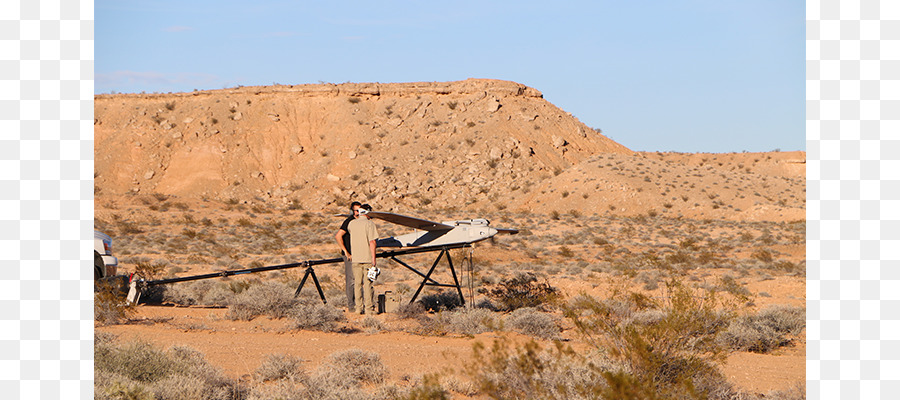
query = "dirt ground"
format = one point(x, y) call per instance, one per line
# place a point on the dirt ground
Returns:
point(239, 347)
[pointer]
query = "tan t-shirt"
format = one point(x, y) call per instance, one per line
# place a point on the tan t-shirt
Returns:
point(361, 230)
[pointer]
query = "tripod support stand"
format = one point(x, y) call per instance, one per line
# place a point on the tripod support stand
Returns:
point(311, 272)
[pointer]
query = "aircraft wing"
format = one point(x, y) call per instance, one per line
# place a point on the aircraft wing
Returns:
point(412, 222)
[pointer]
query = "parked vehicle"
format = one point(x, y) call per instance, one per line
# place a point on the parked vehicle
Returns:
point(105, 264)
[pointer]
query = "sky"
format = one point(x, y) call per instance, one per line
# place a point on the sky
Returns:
point(678, 75)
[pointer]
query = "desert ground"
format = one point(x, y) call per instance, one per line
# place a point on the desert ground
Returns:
point(209, 181)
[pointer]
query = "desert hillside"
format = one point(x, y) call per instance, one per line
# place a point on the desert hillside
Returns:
point(224, 180)
point(474, 145)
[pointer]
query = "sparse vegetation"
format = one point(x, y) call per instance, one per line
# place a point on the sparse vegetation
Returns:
point(521, 291)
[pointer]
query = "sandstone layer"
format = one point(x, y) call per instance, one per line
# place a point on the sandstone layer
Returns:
point(473, 144)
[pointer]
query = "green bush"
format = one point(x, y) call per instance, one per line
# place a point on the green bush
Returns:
point(445, 300)
point(670, 356)
point(643, 349)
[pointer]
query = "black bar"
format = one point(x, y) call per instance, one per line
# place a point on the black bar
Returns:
point(427, 276)
point(224, 274)
point(384, 254)
point(462, 300)
point(414, 270)
point(440, 284)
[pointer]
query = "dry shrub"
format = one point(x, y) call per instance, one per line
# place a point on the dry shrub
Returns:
point(766, 330)
point(523, 290)
point(414, 310)
point(138, 370)
point(342, 373)
point(112, 386)
point(527, 372)
point(282, 390)
point(360, 366)
point(372, 324)
point(459, 385)
point(469, 321)
point(672, 356)
point(269, 298)
point(280, 366)
point(795, 392)
point(203, 292)
point(110, 307)
point(313, 315)
point(462, 321)
point(530, 321)
point(429, 388)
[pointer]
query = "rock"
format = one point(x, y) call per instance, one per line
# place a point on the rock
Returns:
point(332, 178)
point(187, 120)
point(296, 149)
point(238, 116)
point(149, 174)
point(492, 105)
point(257, 175)
point(559, 142)
point(352, 155)
point(496, 153)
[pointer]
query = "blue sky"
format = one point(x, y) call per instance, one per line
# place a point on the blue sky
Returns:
point(691, 76)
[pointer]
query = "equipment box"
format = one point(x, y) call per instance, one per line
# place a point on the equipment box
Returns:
point(388, 302)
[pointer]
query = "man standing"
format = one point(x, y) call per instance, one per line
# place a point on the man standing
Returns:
point(343, 239)
point(362, 244)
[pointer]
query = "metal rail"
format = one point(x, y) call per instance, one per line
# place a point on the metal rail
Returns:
point(137, 286)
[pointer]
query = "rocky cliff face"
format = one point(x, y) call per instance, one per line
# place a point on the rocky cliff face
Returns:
point(410, 147)
point(424, 144)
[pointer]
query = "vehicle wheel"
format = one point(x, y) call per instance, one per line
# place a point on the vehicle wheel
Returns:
point(98, 266)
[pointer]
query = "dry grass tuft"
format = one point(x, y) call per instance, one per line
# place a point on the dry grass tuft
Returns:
point(280, 366)
point(766, 330)
point(530, 321)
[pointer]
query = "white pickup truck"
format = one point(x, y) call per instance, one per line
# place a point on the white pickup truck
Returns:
point(105, 264)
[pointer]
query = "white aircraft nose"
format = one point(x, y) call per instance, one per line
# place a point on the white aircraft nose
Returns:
point(491, 232)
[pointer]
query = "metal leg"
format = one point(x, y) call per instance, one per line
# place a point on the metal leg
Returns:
point(427, 276)
point(462, 300)
point(311, 271)
point(318, 287)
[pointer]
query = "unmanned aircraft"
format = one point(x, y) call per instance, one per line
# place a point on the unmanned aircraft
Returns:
point(429, 236)
point(436, 234)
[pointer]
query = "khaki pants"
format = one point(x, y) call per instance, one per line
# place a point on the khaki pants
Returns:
point(365, 295)
point(348, 284)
